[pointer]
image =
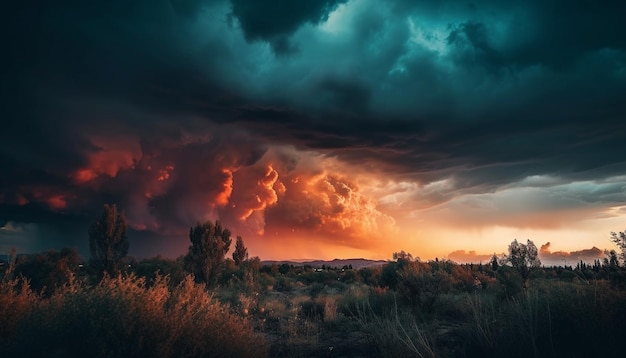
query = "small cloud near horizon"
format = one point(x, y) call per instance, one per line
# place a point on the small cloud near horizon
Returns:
point(547, 257)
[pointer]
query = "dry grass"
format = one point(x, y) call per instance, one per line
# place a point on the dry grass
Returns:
point(394, 335)
point(125, 317)
point(17, 301)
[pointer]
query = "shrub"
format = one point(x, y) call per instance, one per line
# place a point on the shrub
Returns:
point(17, 300)
point(123, 317)
point(283, 284)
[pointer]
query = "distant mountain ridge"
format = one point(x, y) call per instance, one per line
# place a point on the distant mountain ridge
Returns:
point(339, 263)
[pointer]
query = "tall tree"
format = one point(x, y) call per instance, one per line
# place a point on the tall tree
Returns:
point(209, 244)
point(241, 252)
point(523, 258)
point(619, 239)
point(108, 242)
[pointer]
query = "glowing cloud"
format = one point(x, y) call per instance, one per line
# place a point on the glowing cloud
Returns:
point(110, 156)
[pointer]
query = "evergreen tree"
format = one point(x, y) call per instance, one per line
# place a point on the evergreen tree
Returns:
point(241, 252)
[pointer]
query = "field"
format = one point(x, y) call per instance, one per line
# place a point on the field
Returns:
point(398, 309)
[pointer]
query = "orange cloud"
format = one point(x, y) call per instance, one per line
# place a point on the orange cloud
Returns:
point(255, 188)
point(111, 156)
point(462, 256)
point(55, 198)
point(330, 206)
point(291, 194)
point(56, 202)
point(184, 180)
point(223, 195)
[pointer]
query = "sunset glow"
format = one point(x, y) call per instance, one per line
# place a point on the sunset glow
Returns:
point(351, 129)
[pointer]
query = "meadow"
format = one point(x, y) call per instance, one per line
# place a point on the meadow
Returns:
point(53, 305)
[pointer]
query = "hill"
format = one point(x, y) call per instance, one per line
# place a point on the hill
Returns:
point(338, 263)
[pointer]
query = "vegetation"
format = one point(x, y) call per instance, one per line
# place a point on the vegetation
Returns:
point(241, 253)
point(123, 317)
point(209, 244)
point(406, 307)
point(619, 239)
point(523, 258)
point(108, 242)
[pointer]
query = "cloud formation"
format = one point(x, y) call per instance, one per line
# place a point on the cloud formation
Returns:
point(275, 20)
point(462, 256)
point(560, 258)
point(547, 257)
point(489, 113)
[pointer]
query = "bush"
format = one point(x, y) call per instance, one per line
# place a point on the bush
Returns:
point(283, 284)
point(122, 317)
point(17, 300)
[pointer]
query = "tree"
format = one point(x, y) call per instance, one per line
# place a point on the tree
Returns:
point(494, 262)
point(284, 269)
point(241, 252)
point(406, 256)
point(209, 244)
point(613, 260)
point(619, 239)
point(108, 242)
point(523, 258)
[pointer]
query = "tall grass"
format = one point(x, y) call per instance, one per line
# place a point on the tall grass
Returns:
point(17, 300)
point(395, 334)
point(551, 319)
point(485, 324)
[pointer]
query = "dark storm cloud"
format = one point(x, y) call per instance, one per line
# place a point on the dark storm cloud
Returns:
point(568, 30)
point(275, 20)
point(74, 48)
point(483, 110)
point(482, 94)
point(556, 33)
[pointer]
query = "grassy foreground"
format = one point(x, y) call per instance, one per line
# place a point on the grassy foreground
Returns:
point(404, 308)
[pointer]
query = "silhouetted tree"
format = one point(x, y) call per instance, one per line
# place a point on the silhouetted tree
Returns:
point(494, 262)
point(523, 258)
point(619, 239)
point(283, 269)
point(209, 244)
point(241, 252)
point(108, 242)
point(613, 260)
point(406, 256)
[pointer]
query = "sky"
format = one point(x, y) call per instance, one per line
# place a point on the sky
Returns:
point(317, 128)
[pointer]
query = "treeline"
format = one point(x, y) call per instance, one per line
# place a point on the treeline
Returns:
point(207, 261)
point(48, 271)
